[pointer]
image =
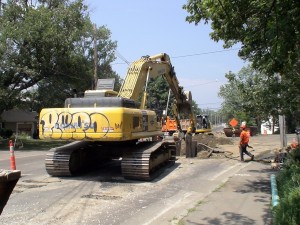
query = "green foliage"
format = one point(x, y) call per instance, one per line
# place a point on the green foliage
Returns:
point(253, 96)
point(268, 31)
point(295, 156)
point(33, 144)
point(241, 96)
point(196, 109)
point(158, 90)
point(288, 210)
point(46, 51)
point(288, 179)
point(288, 183)
point(5, 133)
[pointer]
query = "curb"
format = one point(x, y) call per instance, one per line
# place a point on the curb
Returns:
point(275, 197)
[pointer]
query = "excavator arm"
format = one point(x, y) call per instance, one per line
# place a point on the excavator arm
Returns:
point(148, 67)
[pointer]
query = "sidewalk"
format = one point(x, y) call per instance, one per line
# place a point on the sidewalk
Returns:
point(245, 198)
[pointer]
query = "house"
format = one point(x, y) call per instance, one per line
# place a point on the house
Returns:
point(20, 122)
point(268, 126)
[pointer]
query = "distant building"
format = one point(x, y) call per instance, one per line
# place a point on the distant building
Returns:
point(20, 122)
point(267, 127)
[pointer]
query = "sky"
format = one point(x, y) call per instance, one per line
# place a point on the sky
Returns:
point(143, 27)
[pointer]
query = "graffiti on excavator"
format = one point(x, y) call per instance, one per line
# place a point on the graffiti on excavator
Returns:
point(82, 122)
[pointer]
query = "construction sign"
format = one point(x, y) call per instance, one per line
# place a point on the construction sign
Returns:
point(233, 122)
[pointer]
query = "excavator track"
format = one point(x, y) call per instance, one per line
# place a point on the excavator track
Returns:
point(65, 160)
point(143, 161)
point(146, 162)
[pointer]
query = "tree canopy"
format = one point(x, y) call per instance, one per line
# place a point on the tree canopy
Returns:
point(46, 52)
point(268, 30)
point(253, 96)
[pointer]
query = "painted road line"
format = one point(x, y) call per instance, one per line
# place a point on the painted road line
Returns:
point(186, 195)
point(222, 172)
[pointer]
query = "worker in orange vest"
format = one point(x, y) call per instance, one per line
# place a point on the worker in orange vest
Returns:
point(244, 143)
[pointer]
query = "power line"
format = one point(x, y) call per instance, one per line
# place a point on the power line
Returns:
point(212, 103)
point(122, 57)
point(205, 53)
point(175, 57)
point(203, 83)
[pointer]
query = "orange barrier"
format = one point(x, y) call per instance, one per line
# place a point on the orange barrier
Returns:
point(294, 143)
point(12, 155)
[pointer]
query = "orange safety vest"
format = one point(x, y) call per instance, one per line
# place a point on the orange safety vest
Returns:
point(244, 137)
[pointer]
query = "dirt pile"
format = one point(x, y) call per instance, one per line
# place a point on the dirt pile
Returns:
point(213, 140)
point(209, 145)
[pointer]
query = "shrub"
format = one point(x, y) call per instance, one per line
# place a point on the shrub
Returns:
point(5, 133)
point(288, 179)
point(295, 156)
point(287, 212)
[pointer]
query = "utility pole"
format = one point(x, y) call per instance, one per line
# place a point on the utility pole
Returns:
point(94, 86)
point(282, 125)
point(168, 101)
point(282, 128)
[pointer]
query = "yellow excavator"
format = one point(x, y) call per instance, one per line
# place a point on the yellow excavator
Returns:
point(202, 122)
point(105, 125)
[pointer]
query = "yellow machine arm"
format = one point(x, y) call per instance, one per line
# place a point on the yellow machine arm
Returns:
point(148, 67)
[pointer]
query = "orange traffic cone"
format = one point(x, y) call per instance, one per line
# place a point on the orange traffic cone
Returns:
point(12, 155)
point(294, 143)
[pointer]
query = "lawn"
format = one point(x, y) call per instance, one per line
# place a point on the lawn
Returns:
point(32, 144)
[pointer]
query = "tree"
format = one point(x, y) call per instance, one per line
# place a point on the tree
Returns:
point(196, 109)
point(268, 31)
point(46, 52)
point(158, 91)
point(241, 101)
point(251, 94)
point(104, 51)
point(36, 45)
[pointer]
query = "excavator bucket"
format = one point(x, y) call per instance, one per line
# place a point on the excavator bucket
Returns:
point(8, 181)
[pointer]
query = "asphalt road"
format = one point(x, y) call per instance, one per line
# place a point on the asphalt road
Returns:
point(104, 197)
